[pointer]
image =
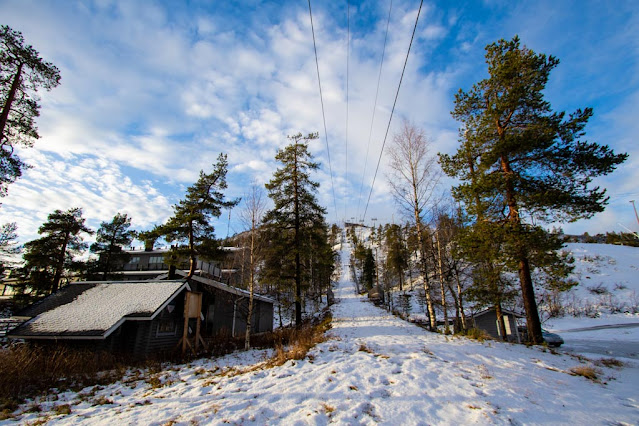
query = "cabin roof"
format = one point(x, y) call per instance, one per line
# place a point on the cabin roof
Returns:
point(96, 309)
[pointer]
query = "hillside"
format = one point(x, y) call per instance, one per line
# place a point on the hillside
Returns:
point(373, 369)
point(607, 276)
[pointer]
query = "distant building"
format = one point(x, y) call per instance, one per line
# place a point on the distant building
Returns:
point(147, 264)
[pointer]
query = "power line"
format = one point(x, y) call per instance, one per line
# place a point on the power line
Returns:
point(348, 45)
point(319, 82)
point(370, 133)
point(393, 110)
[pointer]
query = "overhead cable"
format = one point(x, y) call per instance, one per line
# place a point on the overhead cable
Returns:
point(319, 82)
point(393, 110)
point(370, 133)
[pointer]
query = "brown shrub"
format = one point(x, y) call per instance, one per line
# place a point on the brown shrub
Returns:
point(587, 371)
point(609, 362)
point(29, 370)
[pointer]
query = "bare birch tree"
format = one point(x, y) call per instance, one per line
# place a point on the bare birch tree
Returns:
point(414, 180)
point(251, 216)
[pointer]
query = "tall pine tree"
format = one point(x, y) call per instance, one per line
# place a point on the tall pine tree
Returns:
point(190, 226)
point(50, 257)
point(524, 161)
point(110, 239)
point(22, 73)
point(296, 211)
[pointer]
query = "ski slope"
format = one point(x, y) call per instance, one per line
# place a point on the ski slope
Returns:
point(374, 369)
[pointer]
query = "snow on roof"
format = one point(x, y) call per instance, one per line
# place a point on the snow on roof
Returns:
point(101, 308)
point(227, 288)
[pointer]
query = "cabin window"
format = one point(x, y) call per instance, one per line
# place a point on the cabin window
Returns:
point(167, 328)
point(156, 259)
point(134, 260)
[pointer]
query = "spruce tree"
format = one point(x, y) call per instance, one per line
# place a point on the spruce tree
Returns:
point(48, 258)
point(22, 72)
point(190, 226)
point(296, 212)
point(521, 163)
point(110, 239)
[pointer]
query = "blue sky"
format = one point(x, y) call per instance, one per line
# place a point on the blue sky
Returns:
point(153, 91)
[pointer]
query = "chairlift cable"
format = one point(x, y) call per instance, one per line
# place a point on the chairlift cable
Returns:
point(370, 133)
point(319, 82)
point(393, 109)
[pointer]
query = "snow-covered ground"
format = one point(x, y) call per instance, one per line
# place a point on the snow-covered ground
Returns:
point(374, 368)
point(608, 277)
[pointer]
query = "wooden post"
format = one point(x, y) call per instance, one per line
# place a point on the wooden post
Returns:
point(192, 309)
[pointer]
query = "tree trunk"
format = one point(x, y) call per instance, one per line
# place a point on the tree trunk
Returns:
point(441, 283)
point(461, 301)
point(247, 339)
point(424, 271)
point(60, 264)
point(530, 304)
point(298, 248)
point(527, 290)
point(192, 257)
point(4, 117)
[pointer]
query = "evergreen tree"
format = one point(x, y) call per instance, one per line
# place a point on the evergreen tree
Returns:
point(8, 246)
point(296, 213)
point(368, 269)
point(397, 253)
point(110, 239)
point(50, 257)
point(520, 160)
point(22, 72)
point(190, 226)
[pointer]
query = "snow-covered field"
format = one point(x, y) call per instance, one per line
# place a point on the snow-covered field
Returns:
point(374, 368)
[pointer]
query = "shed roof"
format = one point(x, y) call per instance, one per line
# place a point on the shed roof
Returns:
point(226, 288)
point(504, 311)
point(95, 309)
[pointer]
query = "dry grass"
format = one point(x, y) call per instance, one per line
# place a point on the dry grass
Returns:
point(364, 348)
point(587, 371)
point(62, 410)
point(609, 362)
point(295, 343)
point(328, 409)
point(475, 334)
point(29, 370)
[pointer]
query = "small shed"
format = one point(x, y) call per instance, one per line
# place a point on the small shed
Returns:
point(487, 320)
point(138, 318)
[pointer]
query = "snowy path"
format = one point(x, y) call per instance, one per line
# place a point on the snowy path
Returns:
point(375, 369)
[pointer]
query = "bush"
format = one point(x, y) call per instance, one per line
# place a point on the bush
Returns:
point(587, 371)
point(29, 370)
point(476, 334)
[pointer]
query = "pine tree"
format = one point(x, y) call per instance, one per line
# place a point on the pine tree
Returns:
point(296, 212)
point(48, 258)
point(397, 253)
point(190, 226)
point(110, 239)
point(8, 246)
point(22, 72)
point(368, 269)
point(520, 157)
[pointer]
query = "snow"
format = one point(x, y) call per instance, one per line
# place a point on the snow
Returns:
point(374, 369)
point(101, 307)
point(607, 276)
